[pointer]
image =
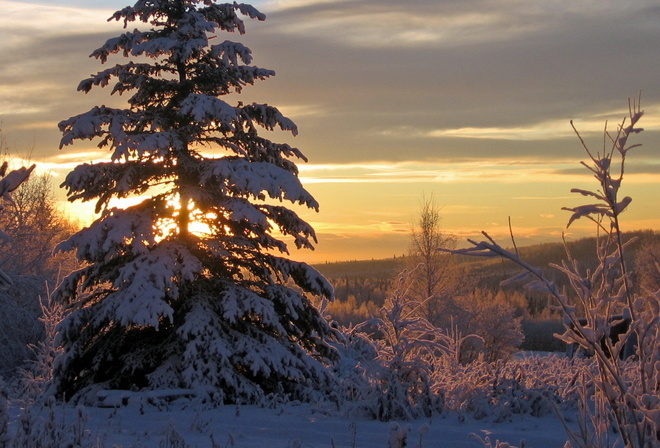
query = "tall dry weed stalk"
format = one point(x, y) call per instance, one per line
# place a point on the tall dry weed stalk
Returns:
point(35, 378)
point(626, 389)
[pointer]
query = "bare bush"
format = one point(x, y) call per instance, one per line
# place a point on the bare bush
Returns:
point(493, 318)
point(434, 276)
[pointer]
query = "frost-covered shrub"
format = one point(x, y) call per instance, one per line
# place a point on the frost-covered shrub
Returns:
point(406, 368)
point(9, 182)
point(52, 430)
point(358, 357)
point(172, 438)
point(398, 437)
point(493, 319)
point(349, 313)
point(17, 328)
point(487, 443)
point(626, 390)
point(483, 313)
point(35, 377)
point(390, 375)
point(498, 391)
point(35, 226)
point(647, 266)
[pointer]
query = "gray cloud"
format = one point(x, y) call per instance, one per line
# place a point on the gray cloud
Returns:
point(43, 56)
point(371, 68)
point(518, 64)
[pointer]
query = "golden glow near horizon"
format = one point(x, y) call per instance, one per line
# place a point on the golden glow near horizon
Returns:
point(465, 101)
point(367, 208)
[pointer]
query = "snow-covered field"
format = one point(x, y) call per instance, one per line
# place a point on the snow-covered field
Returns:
point(292, 426)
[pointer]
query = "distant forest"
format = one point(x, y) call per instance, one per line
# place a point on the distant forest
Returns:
point(361, 287)
point(370, 280)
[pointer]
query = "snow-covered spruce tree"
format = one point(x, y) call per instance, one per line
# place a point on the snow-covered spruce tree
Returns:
point(160, 305)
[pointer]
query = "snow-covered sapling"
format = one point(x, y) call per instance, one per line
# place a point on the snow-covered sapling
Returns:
point(408, 345)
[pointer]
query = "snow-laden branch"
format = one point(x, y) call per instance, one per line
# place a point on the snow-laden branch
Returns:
point(239, 177)
point(118, 232)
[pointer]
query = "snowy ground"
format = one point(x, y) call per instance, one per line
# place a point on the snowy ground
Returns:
point(298, 426)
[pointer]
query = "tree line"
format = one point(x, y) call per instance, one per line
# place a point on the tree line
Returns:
point(361, 287)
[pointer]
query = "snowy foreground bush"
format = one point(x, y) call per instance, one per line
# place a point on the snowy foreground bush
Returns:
point(400, 367)
point(511, 401)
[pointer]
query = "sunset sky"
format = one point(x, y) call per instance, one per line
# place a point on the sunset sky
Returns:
point(465, 101)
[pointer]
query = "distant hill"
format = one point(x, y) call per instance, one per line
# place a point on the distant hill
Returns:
point(385, 268)
point(370, 279)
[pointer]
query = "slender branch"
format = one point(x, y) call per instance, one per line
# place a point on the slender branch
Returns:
point(513, 239)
